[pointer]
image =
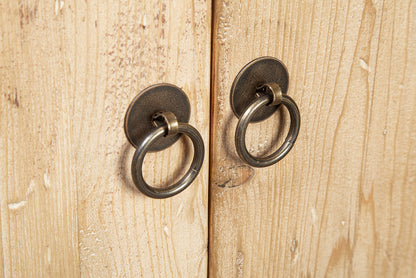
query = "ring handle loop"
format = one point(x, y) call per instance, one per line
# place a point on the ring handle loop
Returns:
point(186, 180)
point(245, 119)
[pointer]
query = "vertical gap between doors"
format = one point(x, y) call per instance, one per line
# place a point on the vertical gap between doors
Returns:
point(211, 91)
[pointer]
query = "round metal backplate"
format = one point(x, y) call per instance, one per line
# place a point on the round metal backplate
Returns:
point(255, 74)
point(157, 98)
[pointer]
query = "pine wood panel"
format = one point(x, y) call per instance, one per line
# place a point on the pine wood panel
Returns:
point(342, 203)
point(68, 70)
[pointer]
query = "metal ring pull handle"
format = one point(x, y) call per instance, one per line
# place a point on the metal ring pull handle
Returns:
point(275, 98)
point(257, 92)
point(158, 130)
point(171, 128)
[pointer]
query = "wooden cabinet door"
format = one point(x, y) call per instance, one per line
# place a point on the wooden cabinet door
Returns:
point(342, 203)
point(68, 71)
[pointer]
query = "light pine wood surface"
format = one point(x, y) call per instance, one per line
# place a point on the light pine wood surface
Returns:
point(68, 70)
point(343, 202)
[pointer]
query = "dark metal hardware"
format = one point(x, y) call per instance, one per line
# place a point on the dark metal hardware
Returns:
point(257, 92)
point(155, 119)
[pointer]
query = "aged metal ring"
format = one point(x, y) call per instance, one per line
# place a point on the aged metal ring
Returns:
point(186, 180)
point(245, 119)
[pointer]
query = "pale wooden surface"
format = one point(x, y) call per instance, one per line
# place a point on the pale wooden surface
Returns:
point(343, 202)
point(68, 70)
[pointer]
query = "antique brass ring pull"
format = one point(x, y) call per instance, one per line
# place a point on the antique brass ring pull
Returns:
point(273, 98)
point(257, 92)
point(154, 120)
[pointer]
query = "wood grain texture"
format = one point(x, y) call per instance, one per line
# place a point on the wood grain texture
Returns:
point(343, 202)
point(68, 70)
